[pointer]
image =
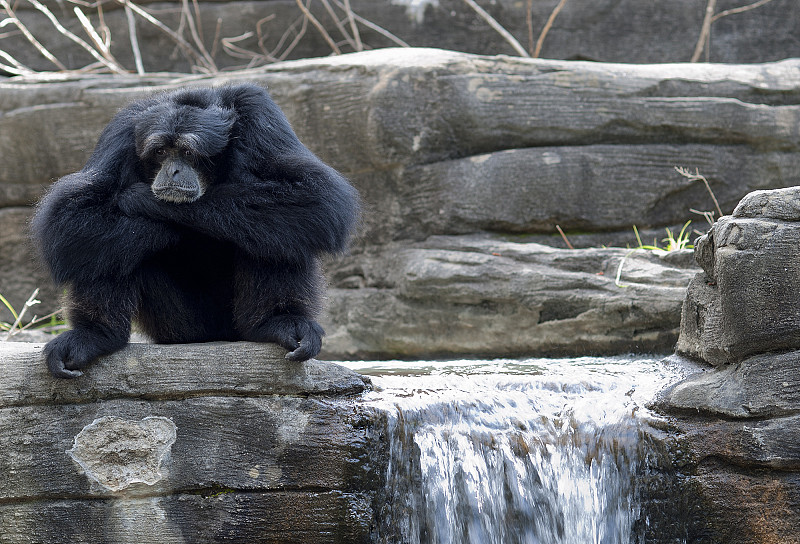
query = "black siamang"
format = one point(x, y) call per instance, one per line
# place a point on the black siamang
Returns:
point(201, 216)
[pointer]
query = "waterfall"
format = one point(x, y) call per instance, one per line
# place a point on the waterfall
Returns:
point(540, 451)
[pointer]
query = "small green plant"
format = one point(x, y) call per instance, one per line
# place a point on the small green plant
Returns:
point(49, 323)
point(672, 243)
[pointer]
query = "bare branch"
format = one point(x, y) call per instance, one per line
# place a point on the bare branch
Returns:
point(30, 302)
point(210, 64)
point(499, 28)
point(289, 48)
point(372, 26)
point(353, 27)
point(15, 67)
point(196, 6)
point(137, 54)
point(529, 23)
point(564, 237)
point(697, 176)
point(113, 66)
point(319, 27)
point(12, 19)
point(185, 46)
point(339, 24)
point(261, 35)
point(98, 42)
point(705, 31)
point(547, 26)
point(742, 9)
point(38, 320)
point(216, 42)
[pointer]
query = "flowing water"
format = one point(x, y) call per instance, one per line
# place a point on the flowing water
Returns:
point(514, 451)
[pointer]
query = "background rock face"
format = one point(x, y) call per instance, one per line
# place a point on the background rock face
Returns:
point(627, 31)
point(466, 165)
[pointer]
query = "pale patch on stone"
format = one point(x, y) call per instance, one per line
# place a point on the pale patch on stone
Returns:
point(551, 158)
point(415, 145)
point(292, 425)
point(118, 452)
point(484, 94)
point(480, 159)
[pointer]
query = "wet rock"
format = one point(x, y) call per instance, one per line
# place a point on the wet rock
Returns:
point(731, 446)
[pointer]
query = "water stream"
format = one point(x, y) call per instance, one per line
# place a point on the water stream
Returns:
point(538, 451)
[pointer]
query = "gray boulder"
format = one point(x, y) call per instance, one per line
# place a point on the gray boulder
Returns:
point(219, 442)
point(489, 296)
point(746, 300)
point(731, 448)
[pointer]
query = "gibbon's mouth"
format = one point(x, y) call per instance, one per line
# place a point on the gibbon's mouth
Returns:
point(177, 194)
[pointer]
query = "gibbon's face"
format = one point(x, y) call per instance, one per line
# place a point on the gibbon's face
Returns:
point(177, 144)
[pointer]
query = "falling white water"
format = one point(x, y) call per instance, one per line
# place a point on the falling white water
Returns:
point(538, 451)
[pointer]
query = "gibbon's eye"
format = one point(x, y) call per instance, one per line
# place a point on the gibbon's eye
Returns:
point(160, 152)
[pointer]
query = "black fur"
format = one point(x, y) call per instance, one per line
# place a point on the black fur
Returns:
point(229, 252)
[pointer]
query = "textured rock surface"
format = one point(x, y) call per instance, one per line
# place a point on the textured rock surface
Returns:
point(746, 300)
point(483, 295)
point(445, 147)
point(599, 30)
point(215, 442)
point(733, 442)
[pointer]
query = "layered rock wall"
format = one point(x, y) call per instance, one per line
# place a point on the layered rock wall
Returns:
point(466, 164)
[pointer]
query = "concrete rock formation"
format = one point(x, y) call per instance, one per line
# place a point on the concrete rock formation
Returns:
point(746, 300)
point(172, 444)
point(458, 157)
point(734, 435)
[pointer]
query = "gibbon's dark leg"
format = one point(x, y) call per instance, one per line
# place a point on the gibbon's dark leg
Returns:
point(101, 321)
point(279, 303)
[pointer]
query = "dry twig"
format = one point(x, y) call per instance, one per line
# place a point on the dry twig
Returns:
point(185, 46)
point(137, 54)
point(30, 302)
point(12, 19)
point(198, 41)
point(529, 24)
point(564, 237)
point(498, 27)
point(547, 26)
point(353, 26)
point(109, 63)
point(704, 40)
point(350, 41)
point(697, 176)
point(372, 26)
point(314, 21)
